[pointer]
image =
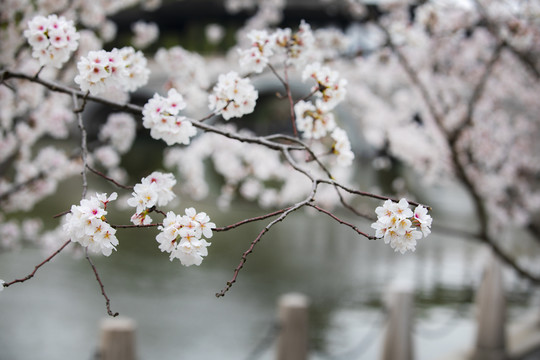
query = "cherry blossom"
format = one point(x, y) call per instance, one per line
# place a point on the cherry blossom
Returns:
point(330, 88)
point(342, 147)
point(123, 68)
point(397, 224)
point(120, 130)
point(257, 56)
point(232, 96)
point(145, 33)
point(160, 115)
point(181, 236)
point(313, 120)
point(153, 190)
point(86, 224)
point(52, 38)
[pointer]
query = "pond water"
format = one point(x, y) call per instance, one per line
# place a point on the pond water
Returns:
point(56, 315)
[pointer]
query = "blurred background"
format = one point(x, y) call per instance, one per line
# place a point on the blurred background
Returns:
point(57, 314)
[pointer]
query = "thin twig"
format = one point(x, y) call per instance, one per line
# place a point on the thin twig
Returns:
point(107, 300)
point(61, 214)
point(84, 148)
point(99, 173)
point(286, 85)
point(257, 218)
point(343, 222)
point(135, 226)
point(283, 215)
point(291, 101)
point(36, 268)
point(368, 194)
point(253, 244)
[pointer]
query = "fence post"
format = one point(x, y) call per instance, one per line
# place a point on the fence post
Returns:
point(117, 340)
point(491, 314)
point(292, 342)
point(398, 344)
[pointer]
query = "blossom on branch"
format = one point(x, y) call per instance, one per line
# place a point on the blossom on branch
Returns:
point(123, 68)
point(297, 47)
point(399, 226)
point(329, 88)
point(342, 147)
point(257, 56)
point(181, 236)
point(314, 120)
point(155, 189)
point(232, 96)
point(86, 224)
point(52, 38)
point(160, 115)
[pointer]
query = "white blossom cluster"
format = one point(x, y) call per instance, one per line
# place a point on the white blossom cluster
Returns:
point(52, 38)
point(181, 236)
point(329, 86)
point(400, 226)
point(315, 119)
point(264, 45)
point(160, 115)
point(120, 130)
point(47, 169)
point(188, 72)
point(86, 224)
point(342, 147)
point(155, 189)
point(145, 33)
point(122, 68)
point(232, 96)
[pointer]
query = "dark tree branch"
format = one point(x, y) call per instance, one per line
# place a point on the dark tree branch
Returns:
point(38, 266)
point(107, 300)
point(343, 222)
point(246, 221)
point(99, 173)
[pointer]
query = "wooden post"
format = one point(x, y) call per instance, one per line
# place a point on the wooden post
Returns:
point(491, 314)
point(117, 339)
point(292, 342)
point(398, 344)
